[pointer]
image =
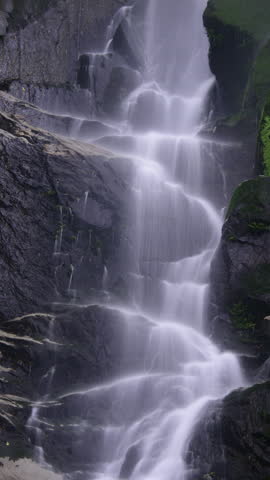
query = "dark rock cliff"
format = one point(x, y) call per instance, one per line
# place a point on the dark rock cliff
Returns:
point(65, 231)
point(239, 58)
point(64, 224)
point(241, 271)
point(43, 199)
point(232, 441)
point(239, 49)
point(62, 213)
point(40, 48)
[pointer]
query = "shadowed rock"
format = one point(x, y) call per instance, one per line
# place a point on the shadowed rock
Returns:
point(131, 460)
point(232, 441)
point(54, 239)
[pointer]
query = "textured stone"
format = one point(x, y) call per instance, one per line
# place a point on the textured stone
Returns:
point(58, 124)
point(239, 53)
point(232, 440)
point(241, 271)
point(62, 214)
point(63, 29)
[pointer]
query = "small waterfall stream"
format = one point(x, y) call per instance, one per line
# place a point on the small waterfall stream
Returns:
point(150, 412)
point(178, 370)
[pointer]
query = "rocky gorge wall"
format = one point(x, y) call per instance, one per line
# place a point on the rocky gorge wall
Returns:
point(64, 223)
point(239, 59)
point(41, 43)
point(63, 220)
point(236, 432)
point(50, 250)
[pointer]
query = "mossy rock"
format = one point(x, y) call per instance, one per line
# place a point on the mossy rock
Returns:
point(256, 283)
point(251, 201)
point(247, 15)
point(260, 79)
point(247, 395)
point(241, 317)
point(238, 32)
point(246, 319)
point(246, 237)
point(232, 121)
point(263, 145)
point(231, 57)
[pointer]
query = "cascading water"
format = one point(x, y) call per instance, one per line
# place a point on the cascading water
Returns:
point(170, 369)
point(176, 369)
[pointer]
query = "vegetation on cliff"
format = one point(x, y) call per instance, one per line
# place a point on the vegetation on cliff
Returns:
point(249, 16)
point(238, 32)
point(265, 139)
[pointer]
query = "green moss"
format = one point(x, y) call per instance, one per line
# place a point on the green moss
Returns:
point(260, 76)
point(216, 38)
point(259, 227)
point(243, 198)
point(265, 416)
point(251, 200)
point(257, 282)
point(265, 139)
point(248, 15)
point(51, 193)
point(249, 23)
point(232, 238)
point(249, 341)
point(241, 318)
point(59, 230)
point(233, 120)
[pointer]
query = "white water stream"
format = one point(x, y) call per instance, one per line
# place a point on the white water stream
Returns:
point(178, 370)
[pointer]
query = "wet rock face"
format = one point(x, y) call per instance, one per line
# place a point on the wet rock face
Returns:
point(231, 54)
point(241, 271)
point(63, 214)
point(50, 76)
point(61, 29)
point(109, 80)
point(238, 304)
point(55, 197)
point(6, 8)
point(64, 234)
point(239, 48)
point(239, 59)
point(114, 73)
point(232, 441)
point(238, 52)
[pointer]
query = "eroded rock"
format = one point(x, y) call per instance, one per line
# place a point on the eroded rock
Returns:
point(232, 441)
point(62, 208)
point(241, 271)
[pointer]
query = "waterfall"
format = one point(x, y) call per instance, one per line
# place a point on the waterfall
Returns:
point(139, 424)
point(176, 369)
